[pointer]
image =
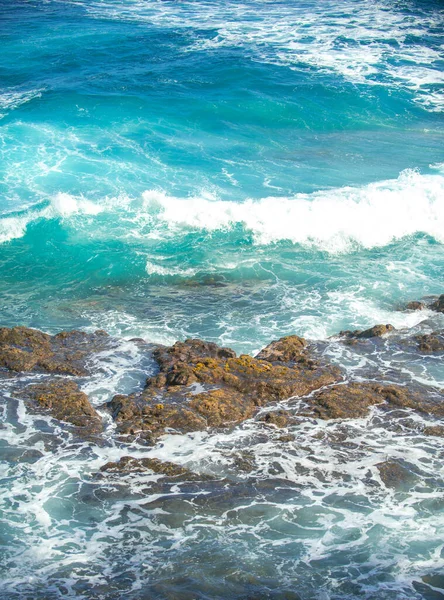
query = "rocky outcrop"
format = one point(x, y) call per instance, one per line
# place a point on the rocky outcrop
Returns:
point(431, 342)
point(25, 349)
point(128, 464)
point(438, 305)
point(65, 402)
point(201, 385)
point(353, 400)
point(375, 331)
point(415, 305)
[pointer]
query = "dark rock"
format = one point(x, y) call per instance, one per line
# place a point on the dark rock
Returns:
point(352, 400)
point(375, 331)
point(128, 464)
point(396, 475)
point(278, 418)
point(434, 430)
point(25, 349)
point(232, 388)
point(290, 349)
point(431, 342)
point(65, 402)
point(438, 305)
point(415, 305)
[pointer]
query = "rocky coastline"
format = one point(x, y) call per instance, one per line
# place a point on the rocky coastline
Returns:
point(202, 386)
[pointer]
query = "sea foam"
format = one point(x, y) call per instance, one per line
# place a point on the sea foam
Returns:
point(335, 220)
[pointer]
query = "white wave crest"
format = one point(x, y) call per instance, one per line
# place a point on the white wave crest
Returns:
point(11, 99)
point(62, 205)
point(333, 220)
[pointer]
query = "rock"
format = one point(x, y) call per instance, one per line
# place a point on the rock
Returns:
point(434, 430)
point(375, 331)
point(290, 349)
point(438, 305)
point(278, 418)
point(230, 388)
point(348, 401)
point(432, 342)
point(128, 464)
point(25, 349)
point(352, 400)
point(65, 402)
point(415, 305)
point(396, 475)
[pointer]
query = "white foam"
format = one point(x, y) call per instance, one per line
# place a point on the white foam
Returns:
point(66, 205)
point(61, 205)
point(360, 43)
point(153, 269)
point(332, 220)
point(12, 99)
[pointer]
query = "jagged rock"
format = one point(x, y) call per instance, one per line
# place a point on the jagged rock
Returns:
point(396, 475)
point(435, 430)
point(290, 349)
point(278, 418)
point(438, 305)
point(25, 349)
point(375, 331)
point(352, 400)
point(431, 342)
point(415, 305)
point(128, 464)
point(230, 388)
point(65, 402)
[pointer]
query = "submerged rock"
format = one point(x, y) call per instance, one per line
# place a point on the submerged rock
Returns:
point(25, 349)
point(65, 402)
point(201, 385)
point(397, 475)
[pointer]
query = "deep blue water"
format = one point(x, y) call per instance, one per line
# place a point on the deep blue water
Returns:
point(234, 171)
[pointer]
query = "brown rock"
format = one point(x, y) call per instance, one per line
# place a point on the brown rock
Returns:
point(65, 402)
point(230, 388)
point(431, 342)
point(128, 464)
point(415, 305)
point(438, 305)
point(288, 349)
point(25, 349)
point(348, 401)
point(375, 331)
point(278, 418)
point(434, 430)
point(352, 400)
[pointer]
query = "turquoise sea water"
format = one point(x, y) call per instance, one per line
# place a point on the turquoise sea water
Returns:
point(234, 171)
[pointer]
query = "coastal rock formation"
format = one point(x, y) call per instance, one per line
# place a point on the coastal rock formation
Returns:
point(65, 402)
point(375, 331)
point(431, 342)
point(415, 305)
point(438, 305)
point(128, 464)
point(353, 400)
point(201, 385)
point(25, 349)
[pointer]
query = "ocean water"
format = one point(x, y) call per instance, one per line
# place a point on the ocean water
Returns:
point(233, 171)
